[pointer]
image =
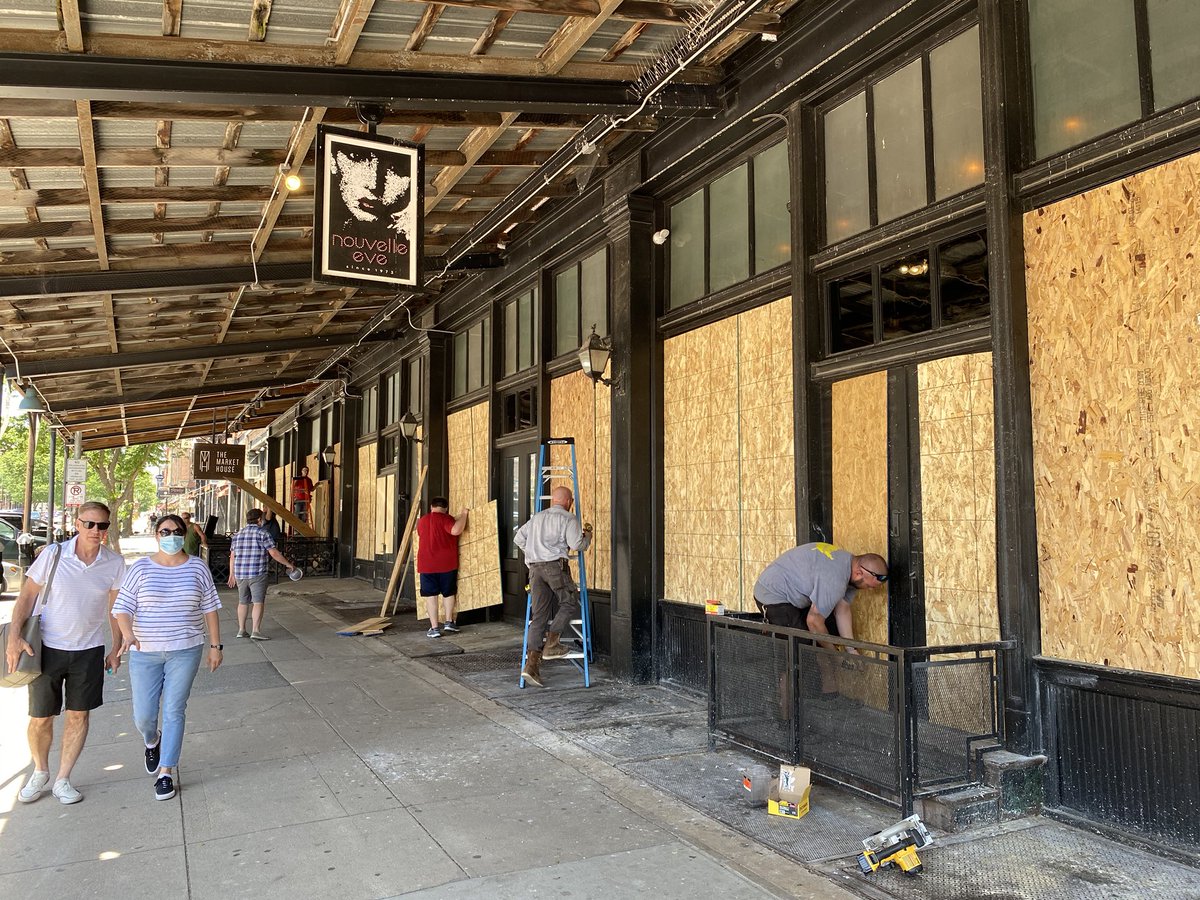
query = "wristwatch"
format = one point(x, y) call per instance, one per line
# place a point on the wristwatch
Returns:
point(217, 646)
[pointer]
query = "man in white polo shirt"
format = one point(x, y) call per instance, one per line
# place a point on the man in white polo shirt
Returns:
point(74, 613)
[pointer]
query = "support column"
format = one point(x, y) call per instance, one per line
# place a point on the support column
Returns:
point(636, 435)
point(1016, 520)
point(347, 474)
point(435, 394)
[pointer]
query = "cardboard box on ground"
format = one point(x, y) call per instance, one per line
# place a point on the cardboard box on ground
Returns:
point(786, 796)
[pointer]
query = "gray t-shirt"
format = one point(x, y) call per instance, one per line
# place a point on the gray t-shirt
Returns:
point(806, 575)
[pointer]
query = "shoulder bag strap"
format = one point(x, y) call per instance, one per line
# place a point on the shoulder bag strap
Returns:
point(45, 591)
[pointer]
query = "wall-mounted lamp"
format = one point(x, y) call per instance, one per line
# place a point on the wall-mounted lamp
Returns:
point(409, 426)
point(328, 456)
point(31, 402)
point(594, 356)
point(660, 237)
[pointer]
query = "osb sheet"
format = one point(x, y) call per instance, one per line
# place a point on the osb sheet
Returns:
point(467, 436)
point(281, 485)
point(958, 499)
point(364, 533)
point(385, 514)
point(320, 509)
point(478, 562)
point(859, 452)
point(580, 408)
point(729, 480)
point(1112, 297)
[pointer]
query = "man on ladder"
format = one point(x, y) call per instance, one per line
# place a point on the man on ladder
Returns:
point(547, 539)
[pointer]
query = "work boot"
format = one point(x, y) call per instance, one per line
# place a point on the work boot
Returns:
point(533, 665)
point(554, 648)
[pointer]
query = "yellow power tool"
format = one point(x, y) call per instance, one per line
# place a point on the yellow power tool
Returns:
point(896, 846)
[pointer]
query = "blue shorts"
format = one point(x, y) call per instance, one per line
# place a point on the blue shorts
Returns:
point(444, 583)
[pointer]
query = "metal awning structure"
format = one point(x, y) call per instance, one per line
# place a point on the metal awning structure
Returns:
point(155, 278)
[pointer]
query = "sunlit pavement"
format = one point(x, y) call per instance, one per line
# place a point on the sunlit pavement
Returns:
point(323, 766)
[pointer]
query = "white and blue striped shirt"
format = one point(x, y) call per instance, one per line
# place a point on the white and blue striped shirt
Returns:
point(167, 603)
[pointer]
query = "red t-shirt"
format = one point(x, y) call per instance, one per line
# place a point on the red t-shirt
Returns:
point(438, 550)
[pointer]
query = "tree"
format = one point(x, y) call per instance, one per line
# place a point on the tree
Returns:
point(119, 478)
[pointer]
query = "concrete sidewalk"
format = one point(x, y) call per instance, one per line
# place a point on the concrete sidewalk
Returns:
point(317, 766)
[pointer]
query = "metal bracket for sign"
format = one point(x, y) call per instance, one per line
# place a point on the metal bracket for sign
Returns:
point(371, 114)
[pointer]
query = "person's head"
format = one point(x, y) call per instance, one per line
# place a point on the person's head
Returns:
point(562, 496)
point(187, 517)
point(253, 516)
point(868, 571)
point(304, 471)
point(268, 514)
point(170, 531)
point(92, 522)
point(440, 504)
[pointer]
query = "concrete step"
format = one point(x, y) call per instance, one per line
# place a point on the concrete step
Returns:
point(1019, 781)
point(962, 809)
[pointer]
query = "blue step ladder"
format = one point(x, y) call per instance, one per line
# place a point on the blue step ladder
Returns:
point(582, 627)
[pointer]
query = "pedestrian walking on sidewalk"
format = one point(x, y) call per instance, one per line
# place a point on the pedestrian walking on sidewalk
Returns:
point(248, 572)
point(195, 538)
point(437, 562)
point(79, 581)
point(164, 607)
point(546, 539)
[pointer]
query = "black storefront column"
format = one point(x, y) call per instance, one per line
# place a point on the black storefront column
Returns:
point(345, 517)
point(637, 367)
point(435, 393)
point(1016, 522)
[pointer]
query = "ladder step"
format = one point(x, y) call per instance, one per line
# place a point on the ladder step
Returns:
point(574, 654)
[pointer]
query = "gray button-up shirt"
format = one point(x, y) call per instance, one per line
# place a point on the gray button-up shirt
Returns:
point(550, 535)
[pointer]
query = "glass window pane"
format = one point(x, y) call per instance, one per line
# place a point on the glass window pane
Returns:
point(593, 277)
point(460, 364)
point(566, 309)
point(852, 312)
point(729, 229)
point(514, 503)
point(963, 275)
point(1085, 70)
point(899, 143)
point(414, 386)
point(687, 250)
point(485, 355)
point(510, 338)
point(525, 318)
point(772, 221)
point(905, 297)
point(1174, 50)
point(954, 81)
point(847, 208)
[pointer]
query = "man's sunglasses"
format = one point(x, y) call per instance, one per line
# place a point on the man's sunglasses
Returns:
point(89, 525)
point(171, 532)
point(882, 579)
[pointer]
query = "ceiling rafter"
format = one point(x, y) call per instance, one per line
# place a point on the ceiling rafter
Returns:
point(172, 17)
point(260, 13)
point(495, 27)
point(22, 194)
point(87, 143)
point(425, 26)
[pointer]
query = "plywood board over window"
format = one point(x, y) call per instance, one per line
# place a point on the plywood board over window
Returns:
point(859, 468)
point(364, 533)
point(729, 483)
point(1112, 283)
point(958, 499)
point(580, 408)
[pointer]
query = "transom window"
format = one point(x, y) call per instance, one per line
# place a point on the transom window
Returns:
point(580, 302)
point(907, 139)
point(519, 333)
point(933, 287)
point(472, 358)
point(1099, 65)
point(370, 410)
point(735, 227)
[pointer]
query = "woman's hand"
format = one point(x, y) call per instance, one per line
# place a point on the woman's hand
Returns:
point(214, 659)
point(130, 643)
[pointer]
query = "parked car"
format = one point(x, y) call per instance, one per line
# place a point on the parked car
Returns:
point(16, 518)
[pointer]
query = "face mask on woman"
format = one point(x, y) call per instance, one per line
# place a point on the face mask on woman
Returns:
point(171, 544)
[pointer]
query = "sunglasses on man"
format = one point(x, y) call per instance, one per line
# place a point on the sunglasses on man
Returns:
point(882, 579)
point(89, 524)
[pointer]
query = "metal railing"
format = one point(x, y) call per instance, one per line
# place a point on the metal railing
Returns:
point(894, 722)
point(314, 556)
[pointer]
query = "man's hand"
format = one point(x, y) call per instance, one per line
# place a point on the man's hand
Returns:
point(587, 527)
point(16, 646)
point(232, 581)
point(112, 662)
point(214, 659)
point(465, 511)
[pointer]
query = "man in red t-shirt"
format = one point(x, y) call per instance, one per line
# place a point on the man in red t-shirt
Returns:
point(437, 562)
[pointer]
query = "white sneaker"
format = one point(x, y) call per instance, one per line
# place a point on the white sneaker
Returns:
point(34, 786)
point(65, 793)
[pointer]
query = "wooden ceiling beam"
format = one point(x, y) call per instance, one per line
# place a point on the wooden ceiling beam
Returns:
point(162, 174)
point(425, 25)
point(22, 194)
point(626, 41)
point(172, 17)
point(260, 13)
point(495, 27)
point(72, 27)
point(91, 176)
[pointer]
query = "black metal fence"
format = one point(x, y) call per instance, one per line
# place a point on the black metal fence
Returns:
point(313, 556)
point(894, 722)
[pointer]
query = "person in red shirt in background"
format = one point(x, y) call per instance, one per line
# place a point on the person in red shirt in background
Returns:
point(302, 490)
point(437, 562)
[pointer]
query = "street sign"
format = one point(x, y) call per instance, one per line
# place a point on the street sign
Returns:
point(75, 493)
point(218, 461)
point(77, 470)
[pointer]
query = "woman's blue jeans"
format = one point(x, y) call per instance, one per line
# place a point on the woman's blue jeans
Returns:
point(164, 676)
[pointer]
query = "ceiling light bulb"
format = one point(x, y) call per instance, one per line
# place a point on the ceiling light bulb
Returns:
point(293, 182)
point(660, 237)
point(904, 269)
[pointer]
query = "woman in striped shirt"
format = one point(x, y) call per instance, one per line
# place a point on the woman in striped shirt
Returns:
point(163, 608)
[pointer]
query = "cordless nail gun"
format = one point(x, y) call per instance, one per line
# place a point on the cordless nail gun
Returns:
point(896, 846)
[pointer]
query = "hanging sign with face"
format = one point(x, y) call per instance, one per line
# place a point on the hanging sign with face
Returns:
point(368, 209)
